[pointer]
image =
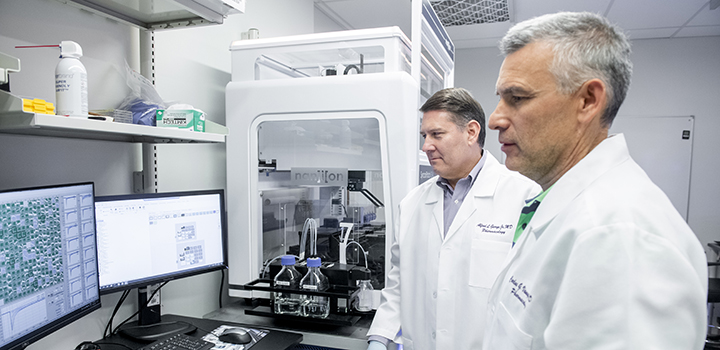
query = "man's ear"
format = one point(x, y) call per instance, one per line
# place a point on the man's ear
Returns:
point(592, 100)
point(473, 130)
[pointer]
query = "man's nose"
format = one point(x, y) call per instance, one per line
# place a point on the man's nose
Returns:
point(427, 145)
point(497, 119)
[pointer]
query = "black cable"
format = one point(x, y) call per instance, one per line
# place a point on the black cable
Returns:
point(371, 197)
point(108, 327)
point(222, 285)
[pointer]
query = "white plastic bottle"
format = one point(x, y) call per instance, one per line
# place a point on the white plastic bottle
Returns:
point(71, 95)
point(287, 303)
point(314, 280)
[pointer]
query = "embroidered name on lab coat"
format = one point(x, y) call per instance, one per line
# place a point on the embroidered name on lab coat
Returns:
point(499, 229)
point(519, 290)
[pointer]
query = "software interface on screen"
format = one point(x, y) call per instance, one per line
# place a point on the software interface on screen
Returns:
point(48, 262)
point(142, 240)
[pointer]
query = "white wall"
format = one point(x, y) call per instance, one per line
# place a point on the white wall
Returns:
point(325, 24)
point(476, 70)
point(672, 77)
point(192, 66)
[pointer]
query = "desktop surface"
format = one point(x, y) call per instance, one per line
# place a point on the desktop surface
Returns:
point(338, 337)
point(270, 339)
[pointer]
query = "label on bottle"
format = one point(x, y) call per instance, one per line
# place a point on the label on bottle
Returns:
point(71, 93)
point(282, 283)
point(309, 287)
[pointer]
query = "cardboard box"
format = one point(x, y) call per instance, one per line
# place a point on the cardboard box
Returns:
point(190, 119)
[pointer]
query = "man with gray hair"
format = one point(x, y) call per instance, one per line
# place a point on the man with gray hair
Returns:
point(602, 260)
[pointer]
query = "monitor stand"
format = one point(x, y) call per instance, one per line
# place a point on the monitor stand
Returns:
point(150, 326)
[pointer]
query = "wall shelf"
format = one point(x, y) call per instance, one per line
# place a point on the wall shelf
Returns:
point(80, 128)
point(163, 14)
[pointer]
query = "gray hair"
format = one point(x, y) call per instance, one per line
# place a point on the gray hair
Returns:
point(586, 46)
point(462, 107)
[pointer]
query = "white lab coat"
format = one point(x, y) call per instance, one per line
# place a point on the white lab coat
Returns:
point(605, 263)
point(437, 288)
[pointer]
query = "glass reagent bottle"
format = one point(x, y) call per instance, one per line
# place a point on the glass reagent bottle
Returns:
point(288, 278)
point(314, 280)
point(362, 297)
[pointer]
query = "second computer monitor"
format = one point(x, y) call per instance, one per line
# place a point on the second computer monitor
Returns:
point(145, 239)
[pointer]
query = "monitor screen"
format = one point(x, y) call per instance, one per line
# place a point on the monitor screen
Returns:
point(48, 261)
point(145, 239)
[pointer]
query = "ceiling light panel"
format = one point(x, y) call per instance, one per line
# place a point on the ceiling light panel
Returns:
point(467, 12)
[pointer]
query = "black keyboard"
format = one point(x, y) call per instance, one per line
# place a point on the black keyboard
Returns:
point(179, 341)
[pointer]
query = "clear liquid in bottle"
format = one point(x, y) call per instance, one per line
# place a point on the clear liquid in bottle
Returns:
point(314, 280)
point(286, 302)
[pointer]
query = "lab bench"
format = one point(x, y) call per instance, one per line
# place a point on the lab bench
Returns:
point(274, 340)
point(332, 336)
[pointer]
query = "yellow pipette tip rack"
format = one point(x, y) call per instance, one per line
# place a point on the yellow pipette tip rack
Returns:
point(37, 105)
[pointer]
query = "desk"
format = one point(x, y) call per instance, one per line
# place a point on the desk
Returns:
point(275, 340)
point(338, 337)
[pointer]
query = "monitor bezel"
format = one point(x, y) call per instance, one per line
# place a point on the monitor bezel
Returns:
point(157, 279)
point(72, 316)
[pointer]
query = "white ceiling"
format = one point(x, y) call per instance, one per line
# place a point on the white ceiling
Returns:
point(641, 19)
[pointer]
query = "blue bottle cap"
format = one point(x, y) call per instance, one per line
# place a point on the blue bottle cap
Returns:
point(313, 262)
point(287, 260)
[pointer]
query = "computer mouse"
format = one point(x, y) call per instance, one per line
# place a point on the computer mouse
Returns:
point(235, 336)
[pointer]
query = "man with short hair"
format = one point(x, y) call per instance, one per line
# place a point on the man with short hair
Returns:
point(452, 233)
point(602, 259)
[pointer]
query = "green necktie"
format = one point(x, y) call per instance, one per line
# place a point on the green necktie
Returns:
point(527, 213)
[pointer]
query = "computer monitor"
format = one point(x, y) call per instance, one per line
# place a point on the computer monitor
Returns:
point(150, 238)
point(48, 261)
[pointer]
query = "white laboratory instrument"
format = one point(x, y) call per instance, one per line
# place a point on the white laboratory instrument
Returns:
point(322, 126)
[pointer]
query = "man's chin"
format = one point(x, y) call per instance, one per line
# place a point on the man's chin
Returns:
point(512, 164)
point(437, 171)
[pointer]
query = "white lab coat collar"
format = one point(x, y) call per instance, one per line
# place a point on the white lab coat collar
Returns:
point(568, 187)
point(608, 154)
point(483, 186)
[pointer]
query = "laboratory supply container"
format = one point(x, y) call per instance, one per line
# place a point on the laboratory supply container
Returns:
point(71, 90)
point(362, 297)
point(315, 281)
point(288, 279)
